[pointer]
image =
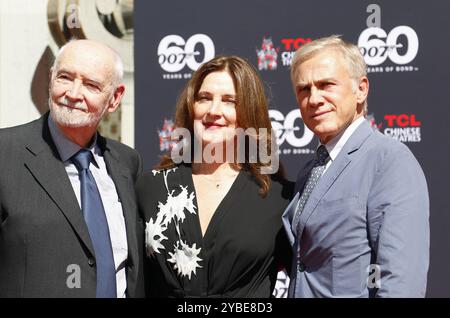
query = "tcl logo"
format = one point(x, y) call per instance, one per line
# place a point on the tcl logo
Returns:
point(294, 43)
point(286, 129)
point(174, 53)
point(376, 45)
point(402, 120)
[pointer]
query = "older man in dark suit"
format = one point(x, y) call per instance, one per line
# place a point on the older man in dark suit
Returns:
point(69, 223)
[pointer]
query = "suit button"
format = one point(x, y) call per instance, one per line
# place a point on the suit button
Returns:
point(91, 262)
point(301, 267)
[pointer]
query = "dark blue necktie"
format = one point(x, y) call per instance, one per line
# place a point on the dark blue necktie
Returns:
point(94, 215)
point(322, 158)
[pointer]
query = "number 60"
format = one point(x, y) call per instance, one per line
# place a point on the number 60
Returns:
point(376, 51)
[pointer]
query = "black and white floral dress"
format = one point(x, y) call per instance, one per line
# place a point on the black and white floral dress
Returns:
point(242, 247)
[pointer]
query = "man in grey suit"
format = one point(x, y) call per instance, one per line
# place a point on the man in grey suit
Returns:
point(358, 223)
point(69, 230)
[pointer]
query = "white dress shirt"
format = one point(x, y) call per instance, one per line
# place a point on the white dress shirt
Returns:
point(111, 202)
point(334, 146)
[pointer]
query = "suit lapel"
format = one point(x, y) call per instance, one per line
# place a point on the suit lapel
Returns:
point(45, 165)
point(299, 185)
point(288, 216)
point(334, 171)
point(303, 177)
point(124, 186)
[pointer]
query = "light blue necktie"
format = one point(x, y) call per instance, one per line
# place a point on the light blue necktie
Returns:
point(322, 157)
point(94, 215)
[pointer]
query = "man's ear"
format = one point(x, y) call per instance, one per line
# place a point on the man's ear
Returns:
point(362, 90)
point(50, 73)
point(116, 98)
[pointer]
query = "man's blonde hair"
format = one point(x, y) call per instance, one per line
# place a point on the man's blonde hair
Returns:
point(351, 54)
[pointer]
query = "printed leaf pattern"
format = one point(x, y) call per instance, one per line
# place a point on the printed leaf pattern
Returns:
point(183, 257)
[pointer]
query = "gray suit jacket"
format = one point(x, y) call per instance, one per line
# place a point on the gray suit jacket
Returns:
point(44, 239)
point(364, 230)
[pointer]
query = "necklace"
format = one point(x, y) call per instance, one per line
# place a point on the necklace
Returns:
point(217, 184)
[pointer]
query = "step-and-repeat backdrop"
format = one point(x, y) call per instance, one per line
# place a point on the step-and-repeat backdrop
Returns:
point(405, 45)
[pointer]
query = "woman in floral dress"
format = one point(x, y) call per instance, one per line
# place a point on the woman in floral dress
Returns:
point(213, 207)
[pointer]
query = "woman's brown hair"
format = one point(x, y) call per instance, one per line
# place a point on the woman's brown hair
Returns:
point(251, 110)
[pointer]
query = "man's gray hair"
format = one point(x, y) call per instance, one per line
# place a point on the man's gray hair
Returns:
point(118, 63)
point(355, 63)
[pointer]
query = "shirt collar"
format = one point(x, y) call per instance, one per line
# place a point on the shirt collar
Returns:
point(66, 147)
point(335, 145)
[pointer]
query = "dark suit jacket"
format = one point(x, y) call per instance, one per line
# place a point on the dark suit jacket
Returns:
point(45, 249)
